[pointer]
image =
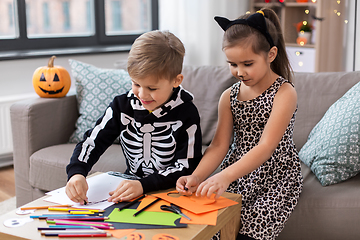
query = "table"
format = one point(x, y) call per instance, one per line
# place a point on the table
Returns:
point(228, 222)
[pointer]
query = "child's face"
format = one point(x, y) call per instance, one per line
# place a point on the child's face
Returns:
point(154, 92)
point(246, 65)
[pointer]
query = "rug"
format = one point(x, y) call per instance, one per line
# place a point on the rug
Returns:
point(7, 205)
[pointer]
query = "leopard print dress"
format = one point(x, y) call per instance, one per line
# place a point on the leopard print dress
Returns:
point(271, 192)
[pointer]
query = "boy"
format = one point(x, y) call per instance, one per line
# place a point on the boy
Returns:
point(158, 124)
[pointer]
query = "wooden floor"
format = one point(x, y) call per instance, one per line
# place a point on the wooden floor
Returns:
point(7, 183)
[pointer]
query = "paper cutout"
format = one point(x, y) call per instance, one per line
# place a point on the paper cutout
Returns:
point(135, 236)
point(164, 236)
point(194, 198)
point(203, 200)
point(195, 207)
point(146, 217)
point(119, 233)
point(208, 218)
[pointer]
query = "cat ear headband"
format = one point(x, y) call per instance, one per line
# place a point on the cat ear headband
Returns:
point(256, 20)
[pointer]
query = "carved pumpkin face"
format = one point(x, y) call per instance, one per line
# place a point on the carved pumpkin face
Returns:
point(51, 81)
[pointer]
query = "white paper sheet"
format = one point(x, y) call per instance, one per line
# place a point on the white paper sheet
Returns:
point(99, 188)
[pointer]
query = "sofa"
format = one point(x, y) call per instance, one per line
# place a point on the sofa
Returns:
point(42, 126)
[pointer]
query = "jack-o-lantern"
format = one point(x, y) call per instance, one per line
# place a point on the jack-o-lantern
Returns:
point(51, 81)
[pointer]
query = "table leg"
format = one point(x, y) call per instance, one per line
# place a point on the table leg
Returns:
point(231, 229)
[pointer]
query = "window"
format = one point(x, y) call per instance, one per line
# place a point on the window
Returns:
point(32, 27)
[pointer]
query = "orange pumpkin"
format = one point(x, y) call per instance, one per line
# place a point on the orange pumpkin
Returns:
point(51, 81)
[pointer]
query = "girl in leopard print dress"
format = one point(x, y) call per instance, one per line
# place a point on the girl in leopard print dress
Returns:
point(256, 119)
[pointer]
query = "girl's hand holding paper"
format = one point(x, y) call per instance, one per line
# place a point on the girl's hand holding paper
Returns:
point(216, 184)
point(127, 190)
point(186, 185)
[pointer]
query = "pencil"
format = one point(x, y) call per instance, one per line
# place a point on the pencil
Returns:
point(79, 235)
point(67, 209)
point(67, 231)
point(59, 215)
point(80, 218)
point(43, 207)
point(147, 206)
point(82, 212)
point(64, 227)
point(78, 222)
point(86, 209)
point(79, 225)
point(131, 203)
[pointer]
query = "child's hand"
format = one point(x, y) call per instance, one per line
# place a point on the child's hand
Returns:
point(186, 185)
point(127, 190)
point(216, 184)
point(76, 189)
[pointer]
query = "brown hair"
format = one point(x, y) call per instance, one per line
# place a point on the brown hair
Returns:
point(244, 34)
point(156, 53)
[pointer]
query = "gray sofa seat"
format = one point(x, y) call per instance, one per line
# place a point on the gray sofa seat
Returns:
point(41, 129)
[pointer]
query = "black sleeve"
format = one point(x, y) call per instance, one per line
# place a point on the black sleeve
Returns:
point(96, 141)
point(187, 155)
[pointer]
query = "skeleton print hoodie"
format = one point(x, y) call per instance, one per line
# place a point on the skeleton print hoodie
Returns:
point(159, 147)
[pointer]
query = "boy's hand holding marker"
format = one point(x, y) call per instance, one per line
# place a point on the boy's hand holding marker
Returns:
point(76, 189)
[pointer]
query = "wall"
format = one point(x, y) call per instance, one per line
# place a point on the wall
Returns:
point(16, 75)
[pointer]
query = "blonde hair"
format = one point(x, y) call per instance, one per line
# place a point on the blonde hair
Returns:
point(244, 34)
point(156, 53)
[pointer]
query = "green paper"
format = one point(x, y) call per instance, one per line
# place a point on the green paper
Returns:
point(146, 217)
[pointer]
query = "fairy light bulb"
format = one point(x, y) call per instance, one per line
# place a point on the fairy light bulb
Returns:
point(338, 13)
point(307, 11)
point(301, 64)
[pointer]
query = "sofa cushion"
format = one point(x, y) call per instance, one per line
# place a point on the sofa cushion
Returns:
point(207, 83)
point(333, 147)
point(95, 89)
point(316, 93)
point(48, 165)
point(324, 212)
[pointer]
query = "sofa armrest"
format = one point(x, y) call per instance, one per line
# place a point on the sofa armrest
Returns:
point(38, 123)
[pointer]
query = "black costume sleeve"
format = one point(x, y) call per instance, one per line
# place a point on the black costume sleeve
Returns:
point(95, 142)
point(187, 156)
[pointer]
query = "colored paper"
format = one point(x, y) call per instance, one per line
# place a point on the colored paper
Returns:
point(154, 208)
point(208, 218)
point(119, 233)
point(196, 207)
point(146, 217)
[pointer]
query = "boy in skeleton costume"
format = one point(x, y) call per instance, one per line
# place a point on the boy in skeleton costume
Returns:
point(158, 124)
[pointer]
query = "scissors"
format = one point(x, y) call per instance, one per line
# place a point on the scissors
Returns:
point(175, 209)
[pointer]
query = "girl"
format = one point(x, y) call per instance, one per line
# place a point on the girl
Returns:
point(259, 113)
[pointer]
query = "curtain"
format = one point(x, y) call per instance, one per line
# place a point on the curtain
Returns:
point(192, 21)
